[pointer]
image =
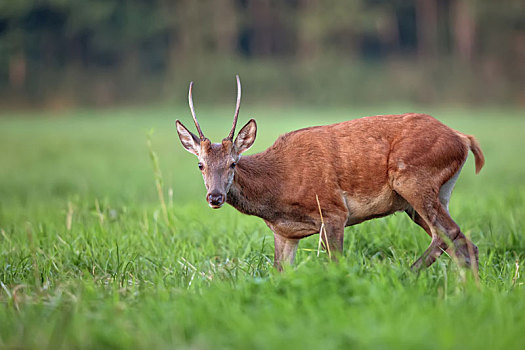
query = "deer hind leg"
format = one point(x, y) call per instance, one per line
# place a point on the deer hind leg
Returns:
point(432, 216)
point(443, 231)
point(414, 215)
point(430, 210)
point(285, 249)
point(436, 221)
point(463, 248)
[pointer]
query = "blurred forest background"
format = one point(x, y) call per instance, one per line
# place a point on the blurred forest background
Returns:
point(60, 54)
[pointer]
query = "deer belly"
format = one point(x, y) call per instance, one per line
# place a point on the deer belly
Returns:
point(362, 208)
point(290, 228)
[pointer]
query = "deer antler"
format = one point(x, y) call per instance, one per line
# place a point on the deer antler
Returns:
point(190, 101)
point(237, 107)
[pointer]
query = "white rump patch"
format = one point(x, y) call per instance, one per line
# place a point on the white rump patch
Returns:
point(446, 190)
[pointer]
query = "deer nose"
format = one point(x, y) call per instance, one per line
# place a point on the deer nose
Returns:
point(215, 199)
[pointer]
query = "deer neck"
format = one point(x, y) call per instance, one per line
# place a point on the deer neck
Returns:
point(254, 186)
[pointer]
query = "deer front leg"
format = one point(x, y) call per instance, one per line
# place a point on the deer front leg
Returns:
point(333, 240)
point(285, 249)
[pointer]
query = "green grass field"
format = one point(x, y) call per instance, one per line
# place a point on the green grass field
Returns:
point(88, 260)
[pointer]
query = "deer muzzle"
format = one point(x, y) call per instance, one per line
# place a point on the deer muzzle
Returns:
point(215, 199)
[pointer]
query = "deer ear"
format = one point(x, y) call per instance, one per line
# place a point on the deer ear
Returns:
point(188, 139)
point(246, 137)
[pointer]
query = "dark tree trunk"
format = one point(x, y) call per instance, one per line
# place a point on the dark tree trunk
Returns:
point(464, 28)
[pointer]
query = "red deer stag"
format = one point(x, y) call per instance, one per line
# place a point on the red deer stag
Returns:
point(359, 169)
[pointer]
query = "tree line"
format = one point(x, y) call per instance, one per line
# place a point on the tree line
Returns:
point(111, 51)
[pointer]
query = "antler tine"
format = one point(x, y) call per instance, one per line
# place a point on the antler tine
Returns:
point(192, 109)
point(237, 107)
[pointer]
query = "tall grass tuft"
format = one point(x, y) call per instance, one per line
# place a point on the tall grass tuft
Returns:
point(159, 182)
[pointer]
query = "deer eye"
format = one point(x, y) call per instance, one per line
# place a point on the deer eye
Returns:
point(233, 165)
point(201, 166)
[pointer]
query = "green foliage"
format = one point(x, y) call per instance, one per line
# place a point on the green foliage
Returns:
point(88, 261)
point(64, 53)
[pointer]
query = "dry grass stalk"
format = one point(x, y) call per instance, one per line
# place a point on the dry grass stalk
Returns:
point(16, 298)
point(99, 212)
point(322, 230)
point(158, 180)
point(4, 287)
point(516, 273)
point(5, 235)
point(170, 197)
point(69, 217)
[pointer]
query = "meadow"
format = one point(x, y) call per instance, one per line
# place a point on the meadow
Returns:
point(90, 259)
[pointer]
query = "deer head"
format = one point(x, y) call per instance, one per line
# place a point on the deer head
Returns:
point(217, 161)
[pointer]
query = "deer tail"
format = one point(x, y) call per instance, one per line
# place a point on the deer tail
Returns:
point(476, 150)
